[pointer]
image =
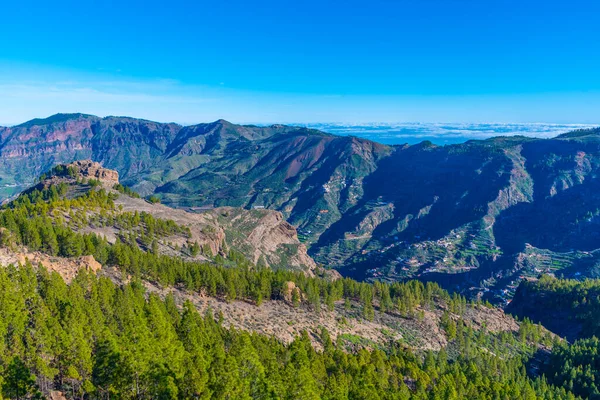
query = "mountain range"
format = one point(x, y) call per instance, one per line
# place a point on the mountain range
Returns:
point(476, 217)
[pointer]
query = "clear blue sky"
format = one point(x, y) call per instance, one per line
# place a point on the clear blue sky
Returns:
point(303, 61)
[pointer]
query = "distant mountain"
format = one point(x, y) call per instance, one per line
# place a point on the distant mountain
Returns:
point(476, 217)
point(126, 144)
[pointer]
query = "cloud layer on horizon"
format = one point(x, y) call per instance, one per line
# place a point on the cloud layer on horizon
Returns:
point(445, 133)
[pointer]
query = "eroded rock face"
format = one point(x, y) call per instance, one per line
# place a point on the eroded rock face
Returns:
point(67, 268)
point(56, 395)
point(267, 235)
point(89, 169)
point(89, 263)
point(288, 291)
point(263, 236)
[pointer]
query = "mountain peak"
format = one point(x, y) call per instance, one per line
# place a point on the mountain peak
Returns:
point(85, 169)
point(222, 123)
point(57, 118)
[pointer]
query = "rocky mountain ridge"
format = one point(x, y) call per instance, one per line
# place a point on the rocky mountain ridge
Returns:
point(262, 236)
point(473, 217)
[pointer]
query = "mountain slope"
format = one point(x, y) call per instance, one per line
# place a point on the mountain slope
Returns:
point(570, 308)
point(473, 217)
point(261, 236)
point(98, 299)
point(84, 201)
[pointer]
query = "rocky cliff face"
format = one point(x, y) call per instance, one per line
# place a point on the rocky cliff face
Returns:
point(262, 236)
point(88, 169)
point(266, 235)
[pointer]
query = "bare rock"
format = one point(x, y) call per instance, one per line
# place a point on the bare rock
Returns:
point(288, 290)
point(92, 170)
point(67, 268)
point(56, 395)
point(89, 263)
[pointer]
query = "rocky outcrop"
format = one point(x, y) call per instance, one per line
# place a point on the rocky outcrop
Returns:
point(57, 395)
point(262, 236)
point(288, 290)
point(268, 234)
point(67, 268)
point(89, 169)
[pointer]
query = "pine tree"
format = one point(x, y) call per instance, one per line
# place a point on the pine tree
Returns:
point(19, 382)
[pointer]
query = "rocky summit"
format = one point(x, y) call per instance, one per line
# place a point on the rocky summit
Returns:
point(88, 169)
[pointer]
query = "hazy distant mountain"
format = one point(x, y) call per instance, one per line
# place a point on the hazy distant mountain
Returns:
point(476, 215)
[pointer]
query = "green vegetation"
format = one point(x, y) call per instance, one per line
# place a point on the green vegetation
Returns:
point(576, 367)
point(571, 308)
point(94, 339)
point(62, 170)
point(153, 199)
point(561, 303)
point(126, 190)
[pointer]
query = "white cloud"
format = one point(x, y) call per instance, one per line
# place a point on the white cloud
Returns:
point(399, 133)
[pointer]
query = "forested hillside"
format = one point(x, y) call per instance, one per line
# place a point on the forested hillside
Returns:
point(572, 309)
point(568, 307)
point(94, 339)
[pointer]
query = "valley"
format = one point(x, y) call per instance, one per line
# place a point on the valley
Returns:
point(271, 200)
point(472, 217)
point(94, 272)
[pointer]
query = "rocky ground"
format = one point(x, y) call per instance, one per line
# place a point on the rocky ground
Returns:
point(278, 318)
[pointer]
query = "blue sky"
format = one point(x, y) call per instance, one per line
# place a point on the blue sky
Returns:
point(309, 61)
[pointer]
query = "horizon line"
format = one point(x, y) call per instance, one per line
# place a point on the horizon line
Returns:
point(306, 124)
